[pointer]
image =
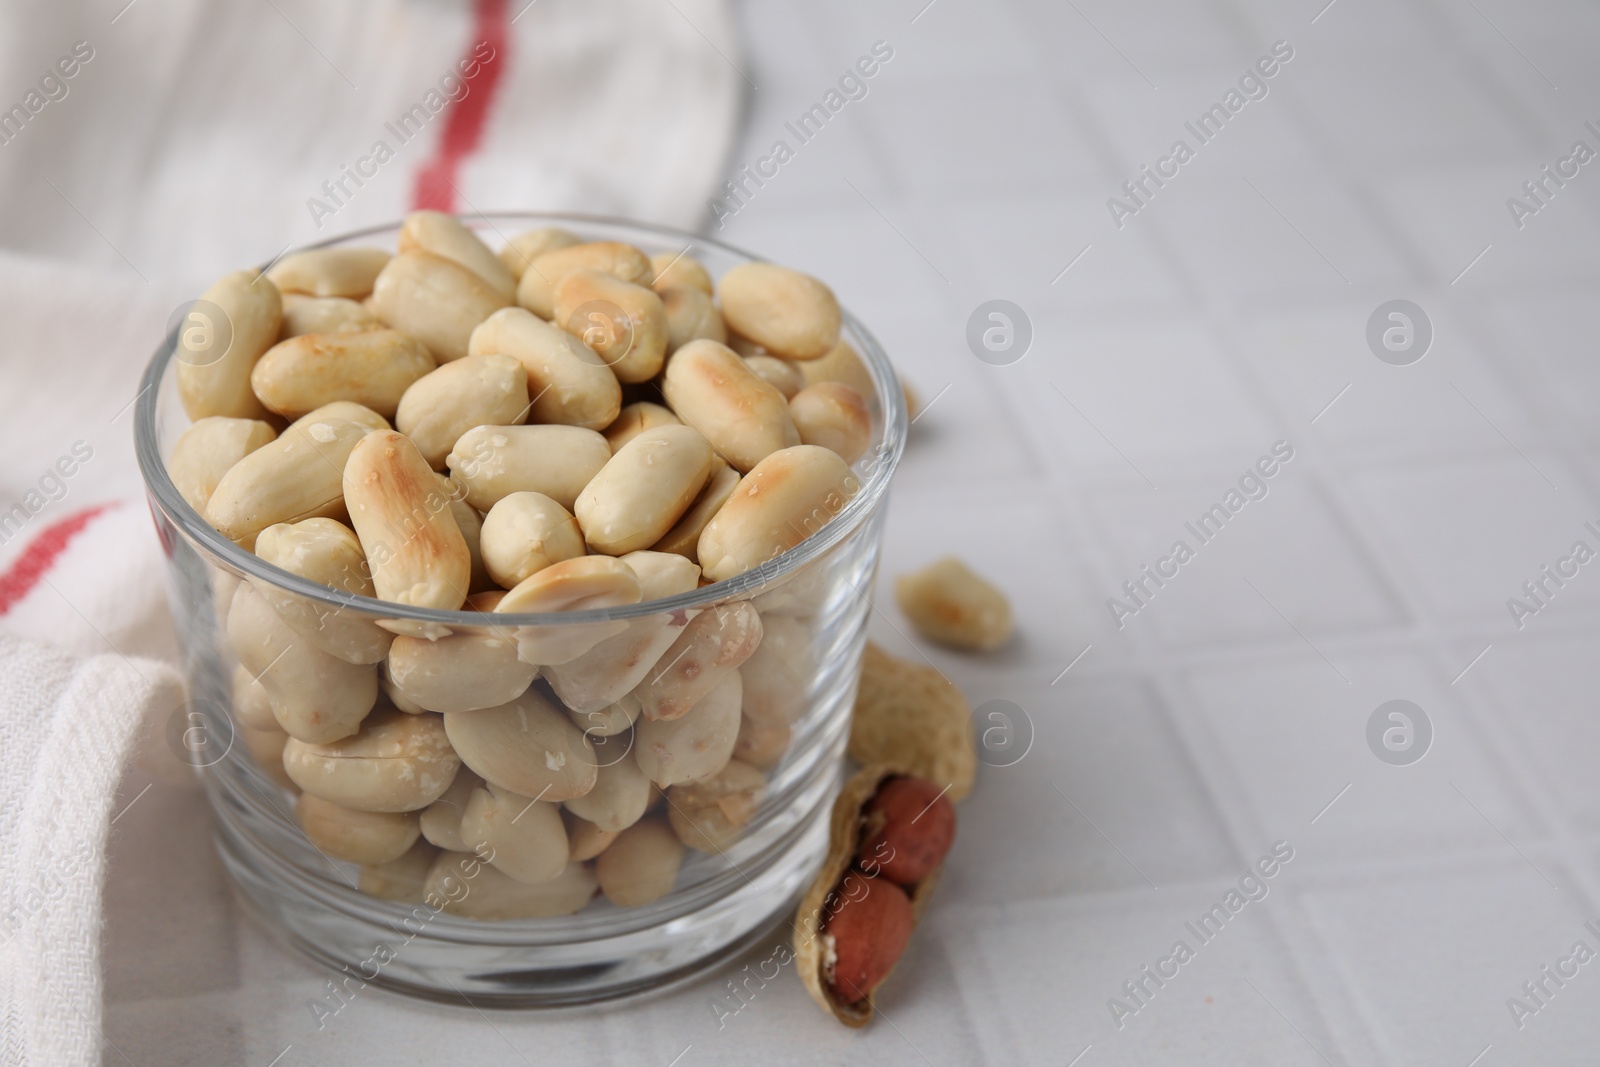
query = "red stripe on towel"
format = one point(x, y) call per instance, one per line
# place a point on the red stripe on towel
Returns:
point(40, 555)
point(465, 121)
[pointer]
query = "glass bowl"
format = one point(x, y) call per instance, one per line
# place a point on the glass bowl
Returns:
point(812, 603)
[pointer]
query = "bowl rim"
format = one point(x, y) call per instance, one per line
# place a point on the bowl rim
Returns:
point(881, 460)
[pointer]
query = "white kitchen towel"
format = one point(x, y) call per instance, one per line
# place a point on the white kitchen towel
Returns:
point(146, 149)
point(66, 724)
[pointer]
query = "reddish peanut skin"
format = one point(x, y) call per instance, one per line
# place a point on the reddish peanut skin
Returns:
point(870, 929)
point(919, 824)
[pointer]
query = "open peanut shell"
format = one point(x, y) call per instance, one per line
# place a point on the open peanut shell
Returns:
point(847, 828)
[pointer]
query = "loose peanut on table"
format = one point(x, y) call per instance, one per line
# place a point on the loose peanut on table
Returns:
point(560, 425)
point(950, 604)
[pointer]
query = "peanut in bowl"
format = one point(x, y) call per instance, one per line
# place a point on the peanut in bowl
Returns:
point(527, 608)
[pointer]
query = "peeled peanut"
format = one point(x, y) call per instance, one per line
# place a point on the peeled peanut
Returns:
point(355, 836)
point(613, 719)
point(643, 489)
point(470, 523)
point(266, 748)
point(213, 379)
point(435, 300)
point(373, 368)
point(440, 821)
point(524, 533)
point(709, 650)
point(417, 554)
point(782, 375)
point(635, 419)
point(582, 584)
point(349, 411)
point(662, 574)
point(529, 245)
point(684, 538)
point(790, 314)
point(950, 604)
point(325, 551)
point(833, 415)
point(691, 316)
point(585, 840)
point(841, 364)
point(620, 795)
point(298, 476)
point(445, 236)
point(694, 745)
point(398, 762)
point(713, 390)
point(315, 696)
point(462, 884)
point(252, 707)
point(347, 272)
point(569, 383)
point(777, 676)
point(208, 450)
point(525, 838)
point(786, 498)
point(462, 672)
point(626, 324)
point(537, 286)
point(679, 271)
point(323, 314)
point(525, 746)
point(400, 879)
point(493, 462)
point(487, 390)
point(710, 814)
point(641, 865)
point(762, 742)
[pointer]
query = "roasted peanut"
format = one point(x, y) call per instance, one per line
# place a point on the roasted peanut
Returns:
point(346, 272)
point(524, 837)
point(626, 324)
point(581, 584)
point(537, 287)
point(397, 762)
point(444, 236)
point(373, 368)
point(777, 676)
point(465, 671)
point(349, 411)
point(710, 814)
point(440, 821)
point(323, 314)
point(355, 836)
point(713, 390)
point(400, 879)
point(463, 884)
point(493, 462)
point(691, 316)
point(300, 475)
point(215, 358)
point(679, 271)
point(709, 650)
point(833, 415)
point(525, 746)
point(208, 450)
point(684, 538)
point(910, 825)
point(641, 865)
point(694, 745)
point(790, 314)
point(950, 604)
point(643, 489)
point(315, 696)
point(787, 497)
point(416, 552)
point(782, 375)
point(252, 705)
point(488, 390)
point(620, 795)
point(470, 523)
point(325, 551)
point(585, 840)
point(526, 532)
point(435, 300)
point(635, 419)
point(529, 245)
point(266, 748)
point(762, 742)
point(608, 721)
point(569, 382)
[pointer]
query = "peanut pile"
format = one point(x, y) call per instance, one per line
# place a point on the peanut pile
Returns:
point(562, 425)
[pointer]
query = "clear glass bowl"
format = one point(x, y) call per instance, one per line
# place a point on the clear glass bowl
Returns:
point(815, 596)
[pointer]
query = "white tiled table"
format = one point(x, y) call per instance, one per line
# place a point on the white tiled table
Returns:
point(1230, 712)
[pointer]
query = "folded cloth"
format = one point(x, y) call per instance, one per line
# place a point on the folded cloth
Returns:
point(66, 724)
